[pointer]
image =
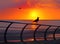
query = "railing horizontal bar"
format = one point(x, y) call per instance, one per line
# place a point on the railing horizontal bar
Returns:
point(29, 23)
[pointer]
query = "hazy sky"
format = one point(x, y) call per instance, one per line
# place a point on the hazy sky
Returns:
point(48, 9)
point(30, 3)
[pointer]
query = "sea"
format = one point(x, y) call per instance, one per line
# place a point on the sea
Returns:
point(14, 31)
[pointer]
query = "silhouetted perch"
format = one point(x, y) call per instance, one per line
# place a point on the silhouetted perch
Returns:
point(36, 20)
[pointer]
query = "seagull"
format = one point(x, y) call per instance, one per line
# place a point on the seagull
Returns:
point(19, 8)
point(36, 20)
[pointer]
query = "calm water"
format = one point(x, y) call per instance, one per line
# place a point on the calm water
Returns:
point(13, 34)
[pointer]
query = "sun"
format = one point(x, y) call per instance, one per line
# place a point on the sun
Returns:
point(33, 14)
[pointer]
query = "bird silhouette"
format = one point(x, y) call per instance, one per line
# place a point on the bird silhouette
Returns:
point(19, 8)
point(36, 20)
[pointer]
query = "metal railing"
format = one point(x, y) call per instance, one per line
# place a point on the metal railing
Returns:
point(26, 24)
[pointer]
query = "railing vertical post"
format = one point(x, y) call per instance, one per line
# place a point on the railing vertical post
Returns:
point(54, 33)
point(46, 32)
point(35, 32)
point(22, 33)
point(5, 33)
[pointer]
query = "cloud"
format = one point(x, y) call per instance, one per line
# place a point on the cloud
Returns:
point(57, 3)
point(30, 3)
point(10, 3)
point(46, 3)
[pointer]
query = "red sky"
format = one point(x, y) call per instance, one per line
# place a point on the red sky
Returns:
point(30, 9)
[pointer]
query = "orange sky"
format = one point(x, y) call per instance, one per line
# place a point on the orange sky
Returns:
point(30, 10)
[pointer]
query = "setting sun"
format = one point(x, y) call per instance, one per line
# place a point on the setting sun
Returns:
point(33, 13)
point(29, 9)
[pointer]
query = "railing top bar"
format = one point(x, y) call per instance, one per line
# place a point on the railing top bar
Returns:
point(28, 23)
